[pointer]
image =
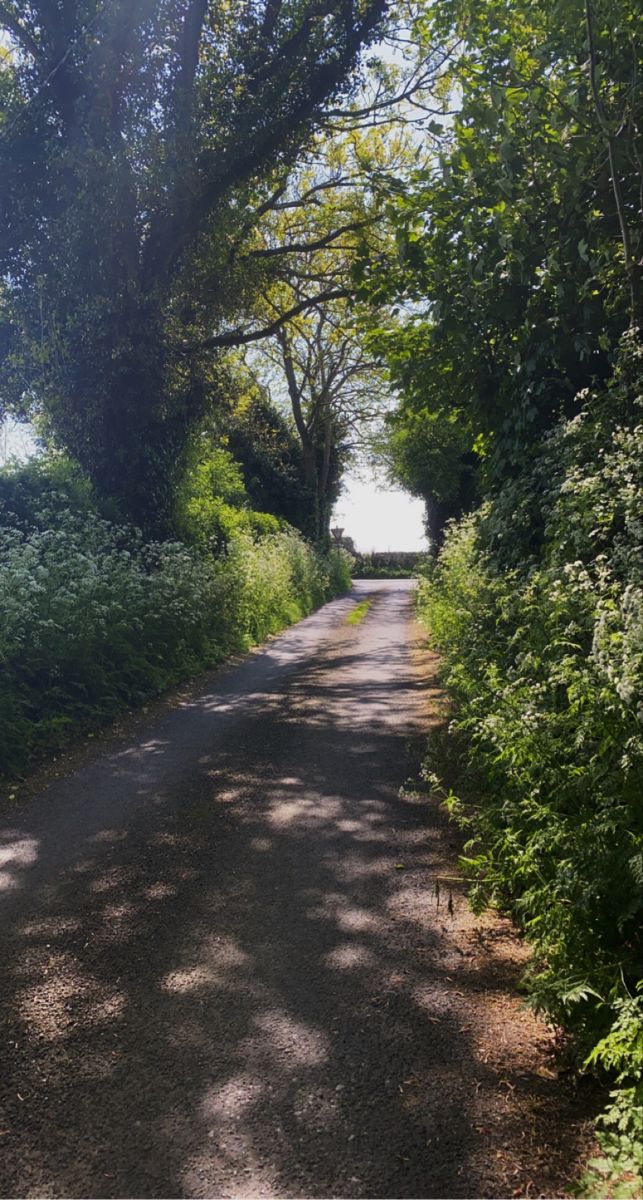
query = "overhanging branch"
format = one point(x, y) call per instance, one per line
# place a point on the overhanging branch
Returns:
point(241, 337)
point(304, 247)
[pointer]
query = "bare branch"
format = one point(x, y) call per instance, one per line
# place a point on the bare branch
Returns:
point(345, 181)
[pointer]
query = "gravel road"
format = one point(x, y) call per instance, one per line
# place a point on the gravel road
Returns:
point(225, 971)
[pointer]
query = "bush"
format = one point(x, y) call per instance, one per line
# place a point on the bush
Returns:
point(536, 603)
point(212, 506)
point(382, 565)
point(32, 495)
point(95, 620)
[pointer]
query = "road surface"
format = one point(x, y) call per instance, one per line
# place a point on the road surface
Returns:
point(225, 968)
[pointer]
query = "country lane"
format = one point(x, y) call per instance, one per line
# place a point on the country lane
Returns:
point(227, 970)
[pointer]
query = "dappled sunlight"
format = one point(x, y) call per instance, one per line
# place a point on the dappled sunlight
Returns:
point(262, 845)
point(113, 878)
point(303, 812)
point(51, 928)
point(153, 746)
point(221, 959)
point(160, 891)
point(263, 981)
point(67, 998)
point(109, 837)
point(232, 1098)
point(351, 867)
point(349, 957)
point(290, 1042)
point(17, 854)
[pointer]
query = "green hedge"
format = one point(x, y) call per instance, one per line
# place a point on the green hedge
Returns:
point(96, 620)
point(536, 603)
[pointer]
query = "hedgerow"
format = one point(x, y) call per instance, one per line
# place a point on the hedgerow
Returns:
point(536, 602)
point(95, 619)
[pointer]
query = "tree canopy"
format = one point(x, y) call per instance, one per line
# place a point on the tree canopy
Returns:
point(139, 142)
point(511, 262)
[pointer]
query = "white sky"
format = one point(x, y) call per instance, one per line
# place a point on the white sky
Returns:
point(16, 442)
point(379, 517)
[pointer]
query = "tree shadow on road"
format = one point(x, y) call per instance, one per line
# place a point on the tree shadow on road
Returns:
point(252, 992)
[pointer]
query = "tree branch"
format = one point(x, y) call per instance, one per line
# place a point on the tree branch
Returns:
point(342, 181)
point(241, 337)
point(270, 18)
point(21, 34)
point(294, 390)
point(304, 247)
point(175, 227)
point(189, 43)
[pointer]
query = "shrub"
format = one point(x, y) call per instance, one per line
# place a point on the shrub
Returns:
point(212, 505)
point(536, 603)
point(95, 619)
point(33, 494)
point(384, 565)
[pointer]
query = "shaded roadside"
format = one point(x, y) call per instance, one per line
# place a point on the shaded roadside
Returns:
point(225, 969)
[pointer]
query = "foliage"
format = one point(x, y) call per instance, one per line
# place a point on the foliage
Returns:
point(382, 565)
point(32, 495)
point(139, 144)
point(96, 619)
point(620, 1133)
point(212, 503)
point(509, 254)
point(270, 459)
point(542, 640)
point(316, 365)
point(334, 391)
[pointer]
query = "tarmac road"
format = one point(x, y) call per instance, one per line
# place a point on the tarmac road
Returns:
point(224, 968)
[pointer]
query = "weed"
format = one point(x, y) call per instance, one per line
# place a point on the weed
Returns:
point(357, 614)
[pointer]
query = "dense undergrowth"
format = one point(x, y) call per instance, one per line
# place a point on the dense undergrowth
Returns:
point(536, 603)
point(96, 619)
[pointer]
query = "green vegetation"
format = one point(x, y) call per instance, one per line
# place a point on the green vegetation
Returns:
point(143, 147)
point(357, 614)
point(543, 657)
point(317, 364)
point(219, 248)
point(509, 246)
point(521, 426)
point(95, 619)
point(387, 566)
point(151, 218)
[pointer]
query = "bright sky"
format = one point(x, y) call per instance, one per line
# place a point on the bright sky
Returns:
point(378, 517)
point(16, 441)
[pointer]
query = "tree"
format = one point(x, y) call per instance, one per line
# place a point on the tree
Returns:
point(316, 363)
point(138, 141)
point(335, 391)
point(622, 127)
point(267, 449)
point(510, 257)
